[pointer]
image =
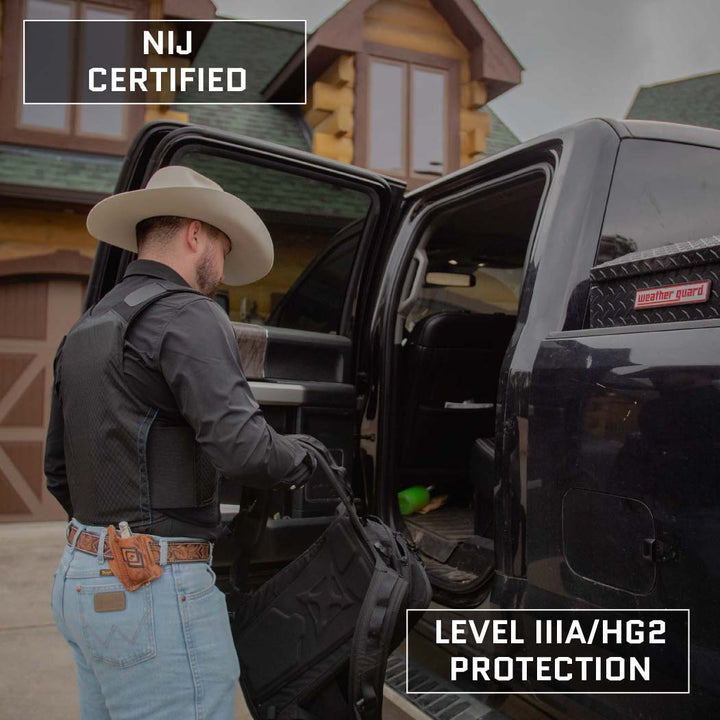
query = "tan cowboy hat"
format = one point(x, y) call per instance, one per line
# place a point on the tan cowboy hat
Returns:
point(180, 191)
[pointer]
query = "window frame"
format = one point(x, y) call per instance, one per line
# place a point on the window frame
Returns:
point(405, 140)
point(425, 61)
point(12, 129)
point(410, 96)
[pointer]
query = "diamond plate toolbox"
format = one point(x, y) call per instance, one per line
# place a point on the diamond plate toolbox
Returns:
point(614, 284)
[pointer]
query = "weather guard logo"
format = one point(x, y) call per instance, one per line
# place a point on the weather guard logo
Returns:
point(683, 294)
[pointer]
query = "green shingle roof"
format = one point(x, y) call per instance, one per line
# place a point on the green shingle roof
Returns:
point(691, 101)
point(266, 189)
point(58, 169)
point(262, 50)
point(501, 136)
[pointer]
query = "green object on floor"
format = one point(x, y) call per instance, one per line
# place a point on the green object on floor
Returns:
point(413, 498)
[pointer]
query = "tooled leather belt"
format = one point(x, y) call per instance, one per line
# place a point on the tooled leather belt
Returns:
point(177, 550)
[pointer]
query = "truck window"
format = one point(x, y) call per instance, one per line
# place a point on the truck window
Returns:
point(659, 237)
point(312, 301)
point(306, 219)
point(662, 193)
point(486, 242)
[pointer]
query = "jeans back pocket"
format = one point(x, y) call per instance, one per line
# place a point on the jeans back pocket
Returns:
point(119, 637)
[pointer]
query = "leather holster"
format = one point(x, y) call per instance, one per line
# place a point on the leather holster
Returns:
point(132, 562)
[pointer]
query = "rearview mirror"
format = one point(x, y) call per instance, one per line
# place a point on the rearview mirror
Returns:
point(448, 279)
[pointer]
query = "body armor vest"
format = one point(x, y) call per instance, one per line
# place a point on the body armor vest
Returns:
point(121, 463)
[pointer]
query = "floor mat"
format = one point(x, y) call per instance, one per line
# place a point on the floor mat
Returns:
point(455, 559)
point(438, 533)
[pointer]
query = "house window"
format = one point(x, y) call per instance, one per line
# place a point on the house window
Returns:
point(108, 121)
point(51, 117)
point(87, 128)
point(407, 130)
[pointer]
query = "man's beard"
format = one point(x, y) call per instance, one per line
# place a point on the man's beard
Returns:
point(207, 281)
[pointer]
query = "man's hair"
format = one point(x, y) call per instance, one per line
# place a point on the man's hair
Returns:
point(161, 229)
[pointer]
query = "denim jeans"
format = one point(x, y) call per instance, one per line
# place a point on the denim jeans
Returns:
point(168, 654)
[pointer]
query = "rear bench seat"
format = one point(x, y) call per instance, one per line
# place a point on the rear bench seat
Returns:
point(449, 358)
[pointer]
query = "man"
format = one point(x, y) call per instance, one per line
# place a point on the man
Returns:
point(150, 404)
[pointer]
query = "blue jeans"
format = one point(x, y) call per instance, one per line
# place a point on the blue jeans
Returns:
point(168, 654)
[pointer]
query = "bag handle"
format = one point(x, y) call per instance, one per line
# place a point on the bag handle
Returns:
point(341, 488)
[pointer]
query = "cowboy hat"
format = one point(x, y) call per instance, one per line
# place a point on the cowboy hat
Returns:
point(180, 191)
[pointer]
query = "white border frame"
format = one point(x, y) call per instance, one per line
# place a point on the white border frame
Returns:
point(85, 20)
point(544, 692)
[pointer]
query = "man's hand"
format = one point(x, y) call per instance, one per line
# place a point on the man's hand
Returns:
point(314, 448)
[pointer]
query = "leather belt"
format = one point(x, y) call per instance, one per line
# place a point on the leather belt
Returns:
point(177, 550)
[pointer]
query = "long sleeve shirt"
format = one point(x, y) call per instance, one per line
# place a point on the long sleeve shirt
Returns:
point(182, 357)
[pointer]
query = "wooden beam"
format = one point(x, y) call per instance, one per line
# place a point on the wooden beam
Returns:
point(471, 119)
point(327, 97)
point(324, 99)
point(333, 147)
point(341, 73)
point(339, 123)
point(477, 95)
point(474, 142)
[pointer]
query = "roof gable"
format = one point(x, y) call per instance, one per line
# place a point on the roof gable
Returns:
point(491, 60)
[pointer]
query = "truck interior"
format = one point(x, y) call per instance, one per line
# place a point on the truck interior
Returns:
point(454, 322)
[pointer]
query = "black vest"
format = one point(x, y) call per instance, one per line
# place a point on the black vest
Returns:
point(121, 463)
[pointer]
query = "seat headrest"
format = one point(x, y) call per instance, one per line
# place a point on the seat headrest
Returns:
point(457, 329)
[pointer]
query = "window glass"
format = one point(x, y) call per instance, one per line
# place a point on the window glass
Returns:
point(108, 49)
point(55, 74)
point(308, 219)
point(315, 302)
point(662, 193)
point(387, 117)
point(428, 121)
point(482, 245)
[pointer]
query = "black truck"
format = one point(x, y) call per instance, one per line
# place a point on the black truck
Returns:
point(536, 337)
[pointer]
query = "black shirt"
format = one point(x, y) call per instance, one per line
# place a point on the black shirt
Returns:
point(183, 358)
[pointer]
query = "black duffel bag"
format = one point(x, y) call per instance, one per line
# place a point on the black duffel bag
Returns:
point(313, 641)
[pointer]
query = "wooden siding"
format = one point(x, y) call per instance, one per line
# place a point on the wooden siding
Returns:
point(36, 314)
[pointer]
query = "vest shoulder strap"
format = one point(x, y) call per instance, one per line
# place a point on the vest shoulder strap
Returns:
point(138, 300)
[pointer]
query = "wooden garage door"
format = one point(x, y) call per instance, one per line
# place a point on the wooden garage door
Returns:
point(34, 316)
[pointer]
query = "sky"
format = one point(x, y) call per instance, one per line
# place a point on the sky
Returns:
point(582, 58)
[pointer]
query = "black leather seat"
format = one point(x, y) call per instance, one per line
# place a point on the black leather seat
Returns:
point(448, 386)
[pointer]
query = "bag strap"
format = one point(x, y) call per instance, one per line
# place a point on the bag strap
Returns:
point(375, 627)
point(373, 635)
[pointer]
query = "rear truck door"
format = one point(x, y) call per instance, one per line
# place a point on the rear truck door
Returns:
point(300, 333)
point(465, 223)
point(543, 198)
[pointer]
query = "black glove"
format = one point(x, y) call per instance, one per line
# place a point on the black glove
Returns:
point(315, 447)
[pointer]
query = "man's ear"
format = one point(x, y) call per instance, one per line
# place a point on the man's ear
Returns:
point(192, 234)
